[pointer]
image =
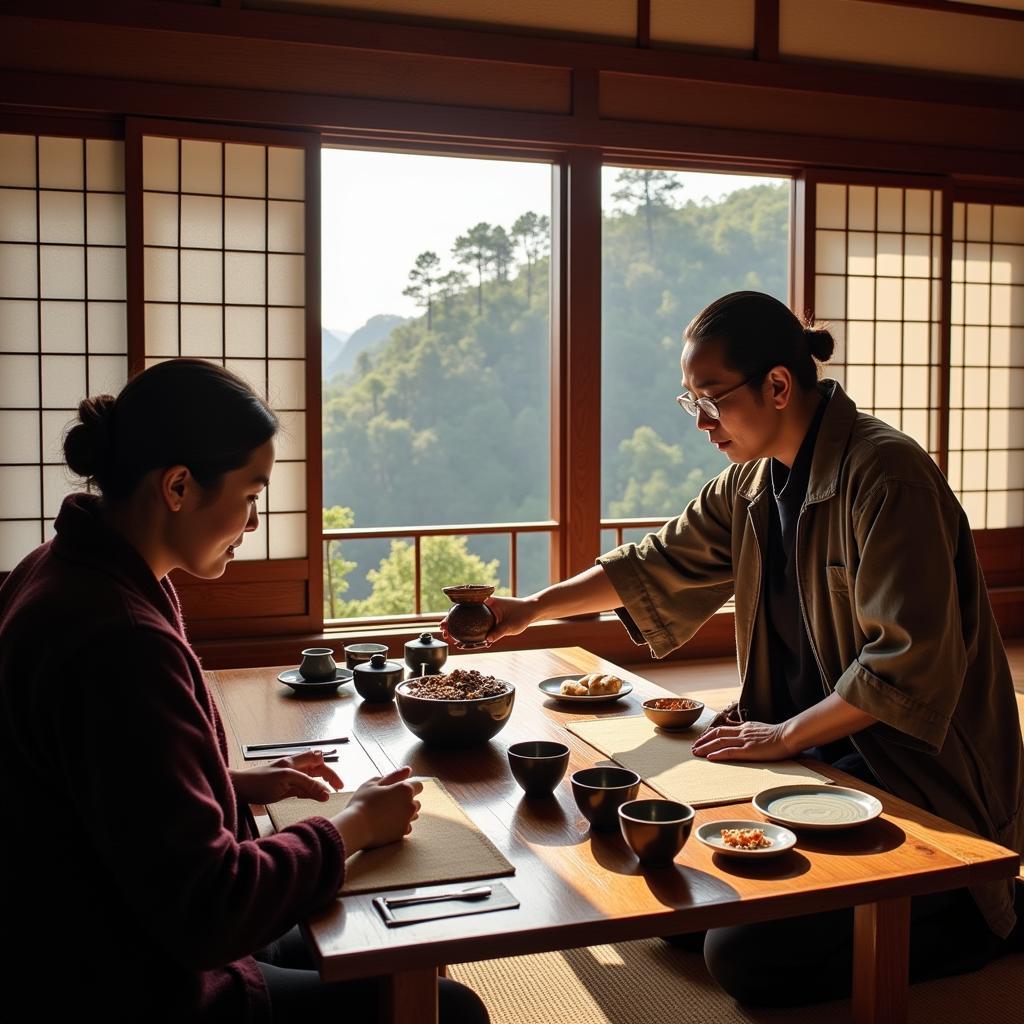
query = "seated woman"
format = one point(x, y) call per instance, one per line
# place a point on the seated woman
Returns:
point(864, 631)
point(137, 887)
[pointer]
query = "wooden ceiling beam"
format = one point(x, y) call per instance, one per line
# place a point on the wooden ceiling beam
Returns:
point(544, 132)
point(512, 47)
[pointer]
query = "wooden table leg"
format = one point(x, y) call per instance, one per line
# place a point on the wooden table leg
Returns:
point(413, 997)
point(881, 959)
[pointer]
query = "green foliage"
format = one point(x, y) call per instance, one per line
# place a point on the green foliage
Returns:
point(444, 561)
point(335, 567)
point(657, 477)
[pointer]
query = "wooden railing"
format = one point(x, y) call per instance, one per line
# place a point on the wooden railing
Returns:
point(621, 525)
point(418, 533)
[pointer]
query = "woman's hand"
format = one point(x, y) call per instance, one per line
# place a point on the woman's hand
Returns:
point(296, 775)
point(381, 811)
point(751, 741)
point(512, 615)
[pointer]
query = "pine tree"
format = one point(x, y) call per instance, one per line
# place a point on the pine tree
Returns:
point(424, 277)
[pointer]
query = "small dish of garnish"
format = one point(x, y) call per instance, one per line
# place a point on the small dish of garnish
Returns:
point(735, 838)
point(671, 713)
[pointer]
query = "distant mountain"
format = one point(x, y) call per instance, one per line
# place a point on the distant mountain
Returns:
point(332, 341)
point(374, 331)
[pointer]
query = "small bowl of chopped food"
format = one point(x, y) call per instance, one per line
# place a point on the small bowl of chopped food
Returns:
point(671, 713)
point(735, 838)
point(458, 709)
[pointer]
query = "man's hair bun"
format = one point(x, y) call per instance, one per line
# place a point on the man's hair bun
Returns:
point(820, 342)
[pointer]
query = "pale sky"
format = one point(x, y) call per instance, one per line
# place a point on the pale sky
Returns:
point(381, 210)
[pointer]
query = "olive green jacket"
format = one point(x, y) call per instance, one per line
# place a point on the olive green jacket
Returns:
point(895, 606)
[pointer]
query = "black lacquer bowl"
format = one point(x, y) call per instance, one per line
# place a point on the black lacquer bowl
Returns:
point(454, 723)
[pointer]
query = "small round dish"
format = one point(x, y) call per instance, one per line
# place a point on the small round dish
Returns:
point(816, 807)
point(710, 834)
point(671, 713)
point(553, 688)
point(291, 677)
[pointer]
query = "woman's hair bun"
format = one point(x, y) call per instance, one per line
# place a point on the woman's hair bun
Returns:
point(820, 342)
point(88, 444)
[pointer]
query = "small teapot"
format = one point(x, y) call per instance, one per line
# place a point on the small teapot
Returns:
point(470, 620)
point(425, 651)
point(375, 680)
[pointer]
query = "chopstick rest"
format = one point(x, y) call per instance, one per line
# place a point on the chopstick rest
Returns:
point(430, 906)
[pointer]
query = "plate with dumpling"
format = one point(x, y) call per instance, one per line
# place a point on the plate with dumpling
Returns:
point(588, 688)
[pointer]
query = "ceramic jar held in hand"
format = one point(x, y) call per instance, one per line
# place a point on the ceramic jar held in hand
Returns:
point(470, 620)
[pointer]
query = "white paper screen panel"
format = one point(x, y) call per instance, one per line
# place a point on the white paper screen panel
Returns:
point(877, 285)
point(986, 389)
point(62, 316)
point(224, 279)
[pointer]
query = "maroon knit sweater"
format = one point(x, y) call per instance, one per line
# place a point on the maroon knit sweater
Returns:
point(133, 886)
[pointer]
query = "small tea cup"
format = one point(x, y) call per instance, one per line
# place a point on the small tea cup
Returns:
point(600, 791)
point(317, 665)
point(538, 765)
point(655, 830)
point(358, 654)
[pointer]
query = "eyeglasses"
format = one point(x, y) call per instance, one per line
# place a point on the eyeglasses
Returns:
point(708, 405)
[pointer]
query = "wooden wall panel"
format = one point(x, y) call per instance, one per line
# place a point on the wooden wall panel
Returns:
point(595, 19)
point(157, 56)
point(896, 36)
point(719, 24)
point(215, 601)
point(1001, 553)
point(758, 109)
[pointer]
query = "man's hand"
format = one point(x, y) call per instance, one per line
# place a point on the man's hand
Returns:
point(751, 741)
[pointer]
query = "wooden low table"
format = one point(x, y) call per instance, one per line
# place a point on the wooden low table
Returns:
point(579, 889)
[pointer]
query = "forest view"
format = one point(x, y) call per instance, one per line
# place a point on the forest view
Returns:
point(443, 418)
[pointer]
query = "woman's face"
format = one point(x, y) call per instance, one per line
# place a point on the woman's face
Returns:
point(750, 416)
point(208, 530)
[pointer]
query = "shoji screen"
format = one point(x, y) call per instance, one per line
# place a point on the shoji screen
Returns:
point(986, 402)
point(876, 279)
point(62, 314)
point(227, 224)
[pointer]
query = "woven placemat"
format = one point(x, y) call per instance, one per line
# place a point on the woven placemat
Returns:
point(665, 762)
point(445, 845)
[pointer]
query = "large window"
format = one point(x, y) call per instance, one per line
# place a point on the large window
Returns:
point(458, 331)
point(673, 241)
point(436, 370)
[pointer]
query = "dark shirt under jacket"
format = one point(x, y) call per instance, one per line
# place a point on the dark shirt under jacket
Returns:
point(796, 678)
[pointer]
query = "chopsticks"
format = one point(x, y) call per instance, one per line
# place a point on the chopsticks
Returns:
point(295, 743)
point(478, 893)
point(386, 904)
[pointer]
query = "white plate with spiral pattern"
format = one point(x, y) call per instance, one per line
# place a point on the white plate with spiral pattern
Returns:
point(817, 807)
